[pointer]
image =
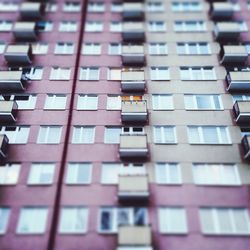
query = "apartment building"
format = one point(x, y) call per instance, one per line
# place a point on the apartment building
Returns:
point(124, 125)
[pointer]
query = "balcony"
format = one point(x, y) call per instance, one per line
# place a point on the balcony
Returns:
point(245, 143)
point(11, 81)
point(233, 54)
point(133, 81)
point(8, 111)
point(134, 111)
point(227, 31)
point(241, 110)
point(133, 32)
point(25, 31)
point(133, 188)
point(133, 55)
point(4, 141)
point(133, 12)
point(135, 236)
point(238, 80)
point(133, 146)
point(31, 10)
point(18, 54)
point(222, 10)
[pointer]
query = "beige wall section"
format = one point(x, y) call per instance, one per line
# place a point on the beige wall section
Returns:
point(183, 117)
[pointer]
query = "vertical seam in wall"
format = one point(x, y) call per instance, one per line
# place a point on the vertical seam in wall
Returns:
point(57, 201)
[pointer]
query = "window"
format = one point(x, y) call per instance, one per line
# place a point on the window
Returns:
point(40, 48)
point(216, 174)
point(241, 98)
point(71, 6)
point(93, 26)
point(34, 73)
point(68, 26)
point(16, 134)
point(24, 101)
point(114, 74)
point(115, 26)
point(44, 26)
point(111, 171)
point(172, 220)
point(64, 48)
point(225, 221)
point(115, 49)
point(167, 173)
point(164, 134)
point(158, 49)
point(114, 102)
point(83, 134)
point(7, 6)
point(157, 26)
point(9, 174)
point(73, 220)
point(90, 74)
point(186, 6)
point(116, 7)
point(154, 7)
point(51, 7)
point(111, 218)
point(91, 49)
point(96, 7)
point(5, 25)
point(78, 173)
point(41, 174)
point(112, 135)
point(193, 49)
point(208, 135)
point(197, 74)
point(32, 220)
point(55, 101)
point(189, 26)
point(206, 102)
point(243, 26)
point(87, 102)
point(159, 73)
point(4, 219)
point(60, 74)
point(133, 131)
point(162, 102)
point(49, 135)
point(2, 47)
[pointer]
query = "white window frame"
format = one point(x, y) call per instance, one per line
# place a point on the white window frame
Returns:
point(2, 47)
point(17, 134)
point(96, 7)
point(5, 25)
point(68, 26)
point(188, 74)
point(186, 6)
point(157, 49)
point(155, 6)
point(88, 72)
point(185, 26)
point(118, 50)
point(91, 49)
point(4, 216)
point(60, 74)
point(164, 140)
point(36, 172)
point(167, 176)
point(9, 174)
point(198, 46)
point(47, 130)
point(158, 74)
point(157, 26)
point(158, 102)
point(40, 48)
point(83, 102)
point(116, 26)
point(80, 138)
point(64, 48)
point(93, 26)
point(73, 173)
point(201, 136)
point(52, 103)
point(72, 6)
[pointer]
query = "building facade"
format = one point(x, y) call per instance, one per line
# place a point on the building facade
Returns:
point(124, 125)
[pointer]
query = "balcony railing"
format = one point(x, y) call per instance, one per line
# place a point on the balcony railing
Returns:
point(133, 146)
point(133, 32)
point(241, 110)
point(133, 188)
point(245, 143)
point(33, 10)
point(133, 11)
point(133, 55)
point(25, 31)
point(135, 236)
point(231, 54)
point(11, 81)
point(238, 80)
point(227, 31)
point(8, 111)
point(133, 81)
point(4, 141)
point(134, 111)
point(18, 54)
point(222, 10)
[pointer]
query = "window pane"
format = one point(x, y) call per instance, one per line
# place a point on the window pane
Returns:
point(79, 173)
